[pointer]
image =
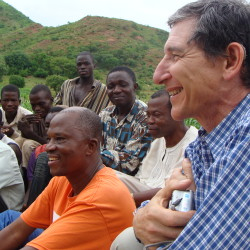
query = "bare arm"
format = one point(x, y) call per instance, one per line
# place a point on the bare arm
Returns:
point(15, 234)
point(139, 197)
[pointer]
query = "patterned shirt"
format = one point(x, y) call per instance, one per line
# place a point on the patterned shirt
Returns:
point(125, 143)
point(96, 100)
point(221, 164)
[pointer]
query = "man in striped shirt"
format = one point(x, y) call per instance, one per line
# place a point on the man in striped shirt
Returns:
point(83, 91)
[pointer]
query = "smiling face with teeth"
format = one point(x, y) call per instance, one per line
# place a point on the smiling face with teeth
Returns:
point(68, 146)
point(192, 79)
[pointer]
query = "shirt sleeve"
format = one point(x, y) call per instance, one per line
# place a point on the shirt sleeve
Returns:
point(222, 219)
point(59, 96)
point(127, 159)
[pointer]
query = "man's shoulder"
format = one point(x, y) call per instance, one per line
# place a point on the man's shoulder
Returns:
point(24, 111)
point(70, 81)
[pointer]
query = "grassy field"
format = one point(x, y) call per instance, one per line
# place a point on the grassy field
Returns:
point(24, 92)
point(144, 94)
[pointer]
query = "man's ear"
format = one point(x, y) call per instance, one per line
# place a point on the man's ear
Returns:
point(93, 145)
point(20, 101)
point(236, 54)
point(136, 86)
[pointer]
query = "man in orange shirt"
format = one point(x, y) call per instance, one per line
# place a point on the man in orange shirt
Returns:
point(85, 206)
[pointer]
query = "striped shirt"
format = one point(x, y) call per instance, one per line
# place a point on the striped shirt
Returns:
point(125, 143)
point(221, 164)
point(96, 100)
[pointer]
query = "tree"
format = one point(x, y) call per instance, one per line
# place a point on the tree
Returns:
point(55, 82)
point(17, 80)
point(17, 61)
point(3, 68)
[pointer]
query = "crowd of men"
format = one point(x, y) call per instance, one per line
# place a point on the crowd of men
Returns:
point(73, 171)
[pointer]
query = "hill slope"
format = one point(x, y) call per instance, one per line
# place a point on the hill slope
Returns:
point(112, 41)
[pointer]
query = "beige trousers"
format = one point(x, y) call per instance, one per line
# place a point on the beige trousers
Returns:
point(27, 147)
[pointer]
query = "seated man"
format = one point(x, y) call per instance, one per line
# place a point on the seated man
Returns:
point(85, 206)
point(207, 74)
point(5, 139)
point(125, 140)
point(38, 174)
point(11, 110)
point(84, 90)
point(166, 151)
point(32, 126)
point(11, 181)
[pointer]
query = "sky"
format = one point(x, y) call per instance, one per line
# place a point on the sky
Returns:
point(153, 13)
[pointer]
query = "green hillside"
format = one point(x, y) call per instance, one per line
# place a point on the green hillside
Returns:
point(11, 19)
point(53, 50)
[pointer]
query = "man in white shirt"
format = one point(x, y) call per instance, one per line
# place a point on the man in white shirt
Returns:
point(11, 181)
point(11, 110)
point(166, 151)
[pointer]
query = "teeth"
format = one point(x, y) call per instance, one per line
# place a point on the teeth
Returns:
point(175, 92)
point(53, 159)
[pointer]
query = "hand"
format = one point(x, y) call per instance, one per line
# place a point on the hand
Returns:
point(24, 126)
point(156, 223)
point(184, 173)
point(34, 118)
point(8, 130)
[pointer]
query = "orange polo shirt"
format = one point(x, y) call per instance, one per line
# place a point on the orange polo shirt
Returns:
point(90, 220)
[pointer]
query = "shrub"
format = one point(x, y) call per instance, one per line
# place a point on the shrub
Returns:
point(55, 82)
point(17, 80)
point(41, 73)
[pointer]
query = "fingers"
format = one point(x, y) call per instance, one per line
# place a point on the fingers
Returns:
point(187, 168)
point(154, 223)
point(171, 185)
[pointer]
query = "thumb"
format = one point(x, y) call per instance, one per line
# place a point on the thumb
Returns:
point(187, 171)
point(187, 168)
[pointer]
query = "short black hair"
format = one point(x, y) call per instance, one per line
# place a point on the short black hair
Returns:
point(56, 109)
point(40, 87)
point(86, 53)
point(87, 120)
point(129, 71)
point(10, 88)
point(160, 93)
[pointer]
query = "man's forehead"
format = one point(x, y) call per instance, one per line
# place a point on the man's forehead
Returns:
point(83, 58)
point(180, 35)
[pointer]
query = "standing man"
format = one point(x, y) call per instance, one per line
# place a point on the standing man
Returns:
point(206, 70)
point(166, 151)
point(125, 138)
point(85, 205)
point(84, 90)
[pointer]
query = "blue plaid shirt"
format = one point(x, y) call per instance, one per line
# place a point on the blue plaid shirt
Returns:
point(220, 162)
point(125, 143)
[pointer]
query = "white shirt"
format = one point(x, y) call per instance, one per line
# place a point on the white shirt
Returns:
point(160, 161)
point(11, 181)
point(21, 112)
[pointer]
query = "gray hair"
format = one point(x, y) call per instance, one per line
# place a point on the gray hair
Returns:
point(219, 23)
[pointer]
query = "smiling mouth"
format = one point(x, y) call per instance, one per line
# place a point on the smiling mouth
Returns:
point(51, 159)
point(175, 92)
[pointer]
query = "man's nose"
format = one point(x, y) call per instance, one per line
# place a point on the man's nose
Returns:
point(116, 89)
point(50, 146)
point(162, 74)
point(150, 119)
